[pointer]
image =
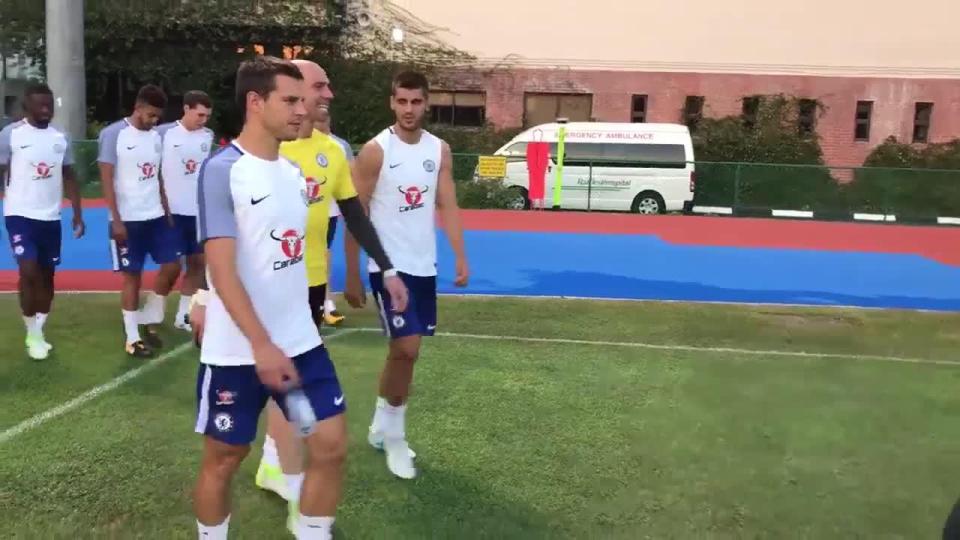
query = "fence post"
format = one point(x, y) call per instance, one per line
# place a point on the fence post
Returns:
point(736, 187)
point(589, 184)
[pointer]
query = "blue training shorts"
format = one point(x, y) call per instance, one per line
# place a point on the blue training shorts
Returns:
point(186, 232)
point(154, 237)
point(231, 398)
point(34, 240)
point(420, 317)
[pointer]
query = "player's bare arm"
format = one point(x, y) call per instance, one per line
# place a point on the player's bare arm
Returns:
point(3, 179)
point(274, 368)
point(198, 309)
point(117, 229)
point(365, 171)
point(163, 199)
point(449, 212)
point(362, 231)
point(71, 188)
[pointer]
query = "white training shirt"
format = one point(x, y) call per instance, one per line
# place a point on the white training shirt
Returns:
point(263, 205)
point(334, 209)
point(184, 151)
point(35, 159)
point(135, 155)
point(403, 205)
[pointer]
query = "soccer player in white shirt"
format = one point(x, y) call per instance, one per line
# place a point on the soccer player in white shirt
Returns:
point(140, 220)
point(186, 145)
point(258, 336)
point(405, 175)
point(36, 167)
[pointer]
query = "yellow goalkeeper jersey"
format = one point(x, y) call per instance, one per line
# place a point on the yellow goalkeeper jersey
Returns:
point(324, 164)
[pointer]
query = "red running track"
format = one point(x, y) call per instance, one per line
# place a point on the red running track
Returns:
point(941, 244)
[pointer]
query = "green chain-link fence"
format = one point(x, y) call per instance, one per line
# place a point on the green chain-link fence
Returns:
point(906, 193)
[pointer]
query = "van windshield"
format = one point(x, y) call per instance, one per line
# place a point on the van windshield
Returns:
point(664, 156)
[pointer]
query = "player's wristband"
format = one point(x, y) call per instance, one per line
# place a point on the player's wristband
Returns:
point(199, 298)
point(390, 273)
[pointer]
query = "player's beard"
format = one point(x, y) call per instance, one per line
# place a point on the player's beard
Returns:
point(412, 125)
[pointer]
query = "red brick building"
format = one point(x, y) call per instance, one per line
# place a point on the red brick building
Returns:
point(856, 115)
point(876, 73)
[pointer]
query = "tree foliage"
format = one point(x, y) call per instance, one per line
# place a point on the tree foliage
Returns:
point(773, 135)
point(727, 149)
point(893, 153)
point(198, 45)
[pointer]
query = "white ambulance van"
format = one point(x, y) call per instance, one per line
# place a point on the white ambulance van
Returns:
point(641, 168)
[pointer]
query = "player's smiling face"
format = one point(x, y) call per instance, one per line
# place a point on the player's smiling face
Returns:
point(409, 106)
point(319, 94)
point(284, 110)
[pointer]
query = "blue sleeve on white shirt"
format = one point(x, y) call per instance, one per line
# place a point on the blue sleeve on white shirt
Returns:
point(68, 151)
point(5, 149)
point(162, 129)
point(214, 198)
point(346, 147)
point(107, 142)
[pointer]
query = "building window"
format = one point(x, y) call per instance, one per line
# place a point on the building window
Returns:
point(807, 116)
point(749, 111)
point(458, 108)
point(862, 121)
point(545, 108)
point(693, 111)
point(638, 109)
point(921, 122)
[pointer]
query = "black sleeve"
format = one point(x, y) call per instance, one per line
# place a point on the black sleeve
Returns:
point(362, 229)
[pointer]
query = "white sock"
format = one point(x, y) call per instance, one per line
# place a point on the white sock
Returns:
point(153, 308)
point(329, 306)
point(294, 483)
point(184, 307)
point(31, 324)
point(41, 320)
point(270, 456)
point(214, 532)
point(378, 414)
point(314, 528)
point(395, 421)
point(131, 326)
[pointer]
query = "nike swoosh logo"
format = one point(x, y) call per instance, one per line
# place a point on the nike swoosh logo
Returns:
point(131, 147)
point(394, 166)
point(338, 401)
point(257, 201)
point(26, 146)
point(177, 145)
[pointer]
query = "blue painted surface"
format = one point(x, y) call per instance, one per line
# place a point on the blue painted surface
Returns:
point(642, 267)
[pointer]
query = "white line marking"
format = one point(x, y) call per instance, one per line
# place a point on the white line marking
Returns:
point(874, 217)
point(792, 213)
point(637, 300)
point(694, 348)
point(713, 210)
point(96, 392)
point(948, 221)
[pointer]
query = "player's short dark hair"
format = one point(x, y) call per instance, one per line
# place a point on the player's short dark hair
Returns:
point(197, 97)
point(260, 75)
point(153, 96)
point(410, 80)
point(37, 89)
